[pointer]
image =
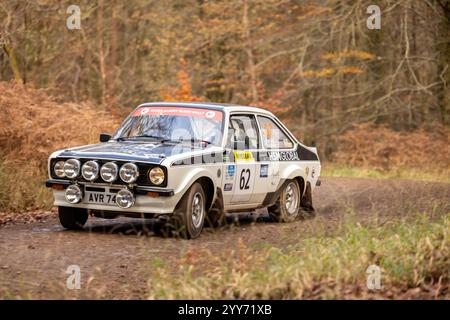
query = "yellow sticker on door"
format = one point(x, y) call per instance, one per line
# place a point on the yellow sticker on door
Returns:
point(243, 156)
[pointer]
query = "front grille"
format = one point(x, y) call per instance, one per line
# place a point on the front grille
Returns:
point(142, 180)
point(95, 189)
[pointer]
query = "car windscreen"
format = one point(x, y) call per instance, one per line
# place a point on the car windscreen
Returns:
point(173, 123)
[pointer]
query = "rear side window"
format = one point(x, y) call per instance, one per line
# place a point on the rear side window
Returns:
point(272, 135)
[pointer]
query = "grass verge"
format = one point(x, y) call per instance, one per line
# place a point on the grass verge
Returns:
point(411, 254)
point(430, 174)
point(22, 187)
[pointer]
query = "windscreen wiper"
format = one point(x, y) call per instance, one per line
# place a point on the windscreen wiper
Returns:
point(162, 139)
point(193, 140)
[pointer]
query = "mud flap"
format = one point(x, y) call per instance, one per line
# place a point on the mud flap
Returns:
point(306, 201)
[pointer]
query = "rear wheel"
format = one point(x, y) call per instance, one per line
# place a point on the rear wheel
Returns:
point(287, 207)
point(72, 218)
point(189, 216)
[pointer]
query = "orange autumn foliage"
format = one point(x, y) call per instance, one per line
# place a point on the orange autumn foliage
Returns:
point(382, 148)
point(36, 124)
point(183, 91)
point(328, 72)
point(358, 54)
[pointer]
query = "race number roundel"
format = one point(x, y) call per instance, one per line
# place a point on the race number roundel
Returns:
point(210, 114)
point(144, 111)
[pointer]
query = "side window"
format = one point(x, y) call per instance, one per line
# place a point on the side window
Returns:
point(272, 135)
point(242, 133)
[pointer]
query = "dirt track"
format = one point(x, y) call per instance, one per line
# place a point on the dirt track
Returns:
point(114, 255)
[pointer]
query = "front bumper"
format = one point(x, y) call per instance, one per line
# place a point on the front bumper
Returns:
point(161, 201)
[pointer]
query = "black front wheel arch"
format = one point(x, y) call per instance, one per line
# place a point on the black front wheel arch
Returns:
point(72, 218)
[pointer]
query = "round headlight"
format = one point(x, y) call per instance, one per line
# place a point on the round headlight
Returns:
point(124, 198)
point(74, 194)
point(58, 169)
point(109, 171)
point(129, 172)
point(72, 168)
point(90, 170)
point(156, 175)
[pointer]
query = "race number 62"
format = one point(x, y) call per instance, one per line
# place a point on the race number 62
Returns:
point(244, 179)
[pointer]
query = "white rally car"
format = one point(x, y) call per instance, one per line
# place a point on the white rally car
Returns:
point(188, 163)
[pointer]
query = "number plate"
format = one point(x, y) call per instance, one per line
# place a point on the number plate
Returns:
point(104, 198)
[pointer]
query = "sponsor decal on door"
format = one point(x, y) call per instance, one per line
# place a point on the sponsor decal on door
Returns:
point(231, 169)
point(283, 156)
point(264, 171)
point(243, 156)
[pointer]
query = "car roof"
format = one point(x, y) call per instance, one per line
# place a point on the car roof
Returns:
point(229, 107)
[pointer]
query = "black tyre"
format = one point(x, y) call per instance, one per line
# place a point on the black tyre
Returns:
point(287, 207)
point(189, 216)
point(72, 218)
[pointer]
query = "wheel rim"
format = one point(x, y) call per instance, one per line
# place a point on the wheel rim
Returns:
point(198, 209)
point(291, 198)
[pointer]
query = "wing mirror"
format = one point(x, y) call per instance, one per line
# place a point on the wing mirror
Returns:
point(104, 137)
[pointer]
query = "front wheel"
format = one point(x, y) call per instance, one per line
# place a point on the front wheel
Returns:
point(72, 218)
point(287, 207)
point(189, 216)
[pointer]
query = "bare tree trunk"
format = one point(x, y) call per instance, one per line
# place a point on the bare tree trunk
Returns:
point(443, 69)
point(101, 52)
point(249, 51)
point(13, 62)
point(9, 49)
point(113, 68)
